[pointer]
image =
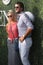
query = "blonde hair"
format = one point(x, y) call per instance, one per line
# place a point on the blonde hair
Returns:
point(13, 13)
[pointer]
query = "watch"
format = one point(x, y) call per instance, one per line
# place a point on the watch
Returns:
point(6, 2)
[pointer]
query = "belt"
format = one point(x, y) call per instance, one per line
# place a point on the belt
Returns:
point(26, 37)
point(9, 39)
point(12, 39)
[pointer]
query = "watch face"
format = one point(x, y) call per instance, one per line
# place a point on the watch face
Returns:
point(6, 2)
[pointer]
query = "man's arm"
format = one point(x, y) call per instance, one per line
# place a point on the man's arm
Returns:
point(28, 31)
point(29, 28)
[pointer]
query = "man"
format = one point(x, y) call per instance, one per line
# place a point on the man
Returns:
point(19, 8)
point(25, 28)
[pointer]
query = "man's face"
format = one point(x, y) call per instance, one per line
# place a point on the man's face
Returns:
point(18, 9)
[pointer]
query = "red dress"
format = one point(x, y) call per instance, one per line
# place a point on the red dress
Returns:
point(12, 30)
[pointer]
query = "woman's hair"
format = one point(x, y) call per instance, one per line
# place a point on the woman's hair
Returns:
point(11, 11)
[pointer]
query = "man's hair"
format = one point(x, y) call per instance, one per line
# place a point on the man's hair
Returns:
point(21, 5)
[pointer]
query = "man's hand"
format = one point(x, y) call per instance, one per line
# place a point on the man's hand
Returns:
point(21, 38)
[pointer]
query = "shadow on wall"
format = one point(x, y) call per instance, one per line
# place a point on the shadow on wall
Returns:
point(36, 35)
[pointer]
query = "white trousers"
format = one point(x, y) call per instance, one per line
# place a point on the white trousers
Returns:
point(24, 48)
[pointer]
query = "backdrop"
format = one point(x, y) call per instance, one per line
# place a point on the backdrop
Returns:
point(36, 51)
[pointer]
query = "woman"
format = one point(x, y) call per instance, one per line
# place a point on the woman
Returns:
point(12, 34)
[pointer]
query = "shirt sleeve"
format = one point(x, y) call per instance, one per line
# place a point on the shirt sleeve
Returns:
point(27, 22)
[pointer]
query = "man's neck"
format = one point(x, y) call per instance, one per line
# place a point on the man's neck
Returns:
point(20, 12)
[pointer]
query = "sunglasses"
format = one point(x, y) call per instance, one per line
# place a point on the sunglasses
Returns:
point(16, 7)
point(9, 16)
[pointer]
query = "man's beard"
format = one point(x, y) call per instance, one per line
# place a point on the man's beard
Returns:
point(18, 12)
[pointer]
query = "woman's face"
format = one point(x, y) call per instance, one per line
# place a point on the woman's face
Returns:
point(10, 16)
